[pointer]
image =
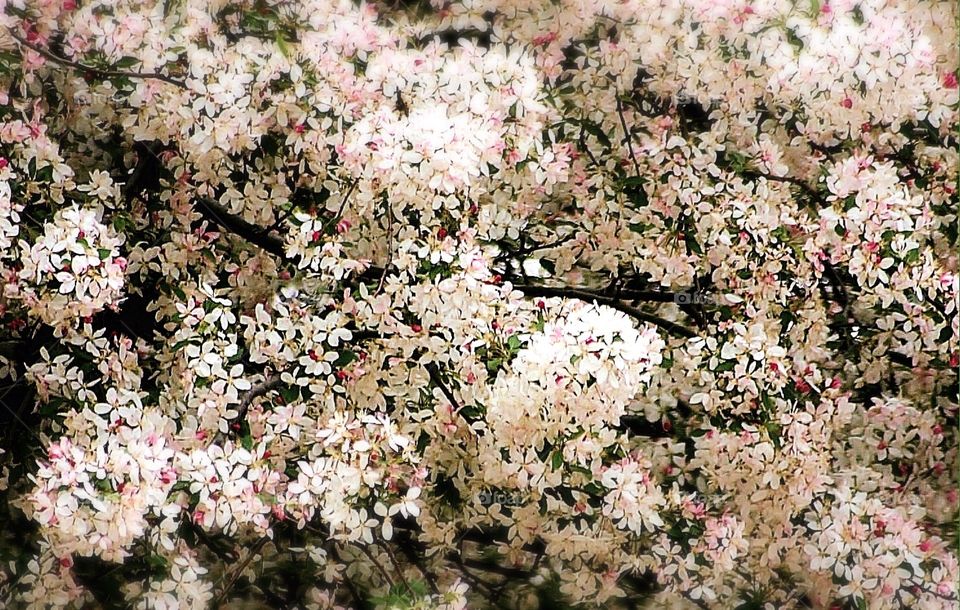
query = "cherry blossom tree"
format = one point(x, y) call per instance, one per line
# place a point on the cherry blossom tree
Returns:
point(487, 303)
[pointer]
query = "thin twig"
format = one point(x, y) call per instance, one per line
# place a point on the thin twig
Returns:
point(383, 276)
point(789, 180)
point(363, 548)
point(397, 567)
point(627, 136)
point(435, 377)
point(343, 203)
point(584, 145)
point(411, 554)
point(362, 603)
point(547, 246)
point(104, 73)
point(254, 551)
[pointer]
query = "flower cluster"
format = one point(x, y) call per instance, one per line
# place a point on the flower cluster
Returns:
point(73, 270)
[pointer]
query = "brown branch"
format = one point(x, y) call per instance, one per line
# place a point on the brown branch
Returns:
point(505, 571)
point(435, 377)
point(213, 211)
point(641, 426)
point(558, 242)
point(411, 555)
point(254, 551)
point(268, 383)
point(225, 554)
point(603, 299)
point(90, 69)
point(627, 136)
point(386, 577)
point(362, 602)
point(752, 173)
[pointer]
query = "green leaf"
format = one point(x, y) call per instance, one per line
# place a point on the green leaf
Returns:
point(180, 344)
point(557, 460)
point(597, 132)
point(725, 366)
point(345, 358)
point(282, 45)
point(126, 62)
point(632, 182)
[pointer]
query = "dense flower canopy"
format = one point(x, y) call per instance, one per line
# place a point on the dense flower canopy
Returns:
point(481, 303)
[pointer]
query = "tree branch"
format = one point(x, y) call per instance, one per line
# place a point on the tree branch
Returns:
point(437, 381)
point(269, 383)
point(213, 211)
point(603, 299)
point(103, 73)
point(752, 173)
point(627, 136)
point(254, 551)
